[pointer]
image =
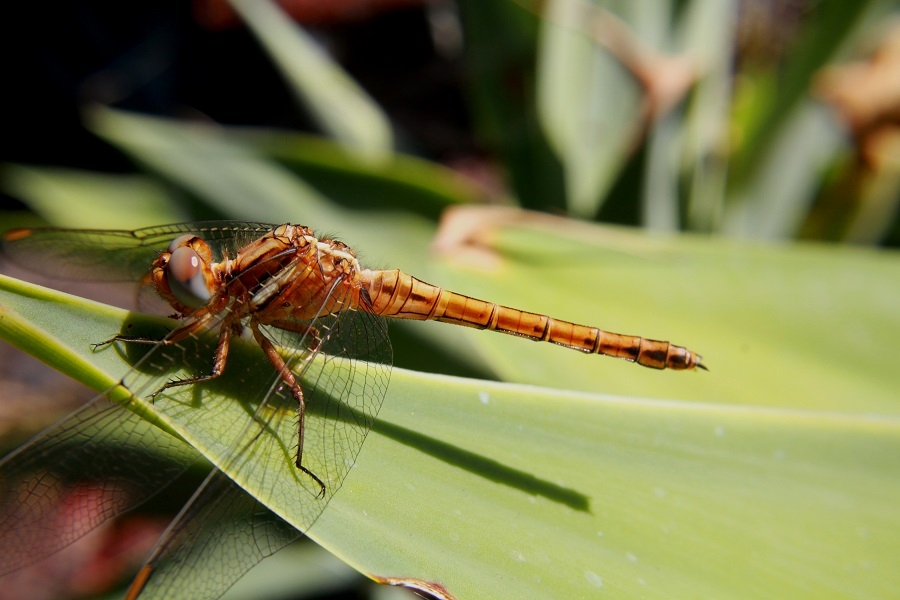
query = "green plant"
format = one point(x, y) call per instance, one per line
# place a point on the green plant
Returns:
point(773, 474)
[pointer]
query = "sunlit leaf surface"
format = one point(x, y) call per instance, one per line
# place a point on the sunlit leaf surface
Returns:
point(774, 474)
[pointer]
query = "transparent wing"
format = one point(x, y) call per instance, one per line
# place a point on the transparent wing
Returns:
point(246, 422)
point(73, 254)
point(96, 463)
point(220, 535)
point(91, 466)
point(113, 255)
point(118, 255)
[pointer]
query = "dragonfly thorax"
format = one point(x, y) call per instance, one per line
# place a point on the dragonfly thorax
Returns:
point(287, 274)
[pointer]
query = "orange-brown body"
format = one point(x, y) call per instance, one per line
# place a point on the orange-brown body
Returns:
point(289, 275)
point(400, 295)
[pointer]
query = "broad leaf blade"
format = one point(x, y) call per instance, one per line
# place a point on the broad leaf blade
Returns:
point(503, 490)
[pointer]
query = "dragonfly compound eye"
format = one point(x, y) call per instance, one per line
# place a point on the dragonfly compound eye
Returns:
point(184, 274)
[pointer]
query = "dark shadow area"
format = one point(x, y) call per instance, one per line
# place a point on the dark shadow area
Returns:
point(483, 466)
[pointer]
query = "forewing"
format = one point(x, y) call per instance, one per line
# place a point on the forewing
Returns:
point(115, 255)
point(225, 238)
point(80, 254)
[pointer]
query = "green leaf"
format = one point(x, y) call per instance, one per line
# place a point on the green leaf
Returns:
point(89, 199)
point(709, 42)
point(238, 181)
point(786, 488)
point(405, 182)
point(202, 161)
point(815, 43)
point(499, 55)
point(339, 104)
point(772, 201)
point(589, 105)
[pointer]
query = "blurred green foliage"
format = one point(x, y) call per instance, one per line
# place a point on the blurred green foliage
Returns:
point(727, 117)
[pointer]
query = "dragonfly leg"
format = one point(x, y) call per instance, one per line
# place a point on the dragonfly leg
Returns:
point(288, 377)
point(219, 360)
point(123, 338)
point(176, 335)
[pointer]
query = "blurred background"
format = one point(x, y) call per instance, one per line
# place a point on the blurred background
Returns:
point(765, 119)
point(406, 126)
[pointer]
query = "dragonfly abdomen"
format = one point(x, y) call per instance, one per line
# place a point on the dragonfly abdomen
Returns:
point(400, 295)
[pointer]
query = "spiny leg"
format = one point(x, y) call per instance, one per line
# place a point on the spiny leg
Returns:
point(192, 327)
point(178, 335)
point(127, 339)
point(288, 377)
point(218, 367)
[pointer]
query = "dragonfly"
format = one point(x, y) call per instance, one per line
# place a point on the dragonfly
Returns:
point(319, 319)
